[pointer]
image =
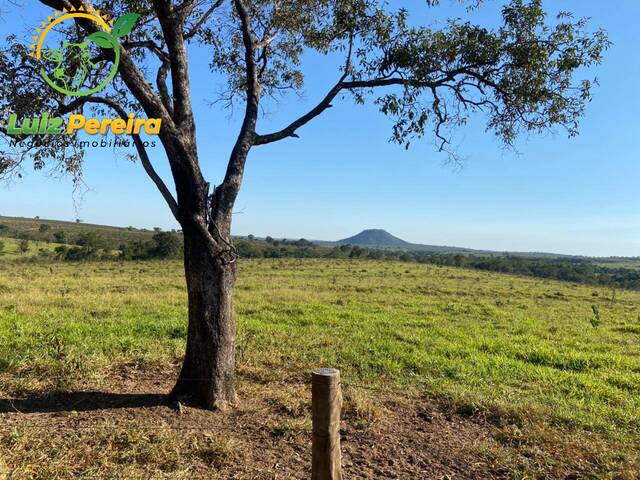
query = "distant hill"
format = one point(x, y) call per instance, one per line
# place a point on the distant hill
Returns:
point(375, 238)
point(381, 239)
point(378, 238)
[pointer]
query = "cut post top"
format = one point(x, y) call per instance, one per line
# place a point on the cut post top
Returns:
point(326, 372)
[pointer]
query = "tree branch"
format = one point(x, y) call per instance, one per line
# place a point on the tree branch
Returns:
point(163, 71)
point(325, 103)
point(139, 144)
point(290, 131)
point(193, 31)
point(172, 25)
point(161, 81)
point(150, 45)
point(225, 195)
point(162, 187)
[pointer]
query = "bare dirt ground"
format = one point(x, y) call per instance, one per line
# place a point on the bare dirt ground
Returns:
point(128, 430)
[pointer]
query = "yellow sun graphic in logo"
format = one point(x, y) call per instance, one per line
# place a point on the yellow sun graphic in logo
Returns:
point(70, 65)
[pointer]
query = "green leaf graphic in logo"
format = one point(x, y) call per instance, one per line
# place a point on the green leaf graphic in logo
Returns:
point(102, 39)
point(72, 64)
point(125, 24)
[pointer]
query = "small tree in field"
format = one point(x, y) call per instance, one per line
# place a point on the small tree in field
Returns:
point(24, 246)
point(167, 245)
point(60, 236)
point(429, 80)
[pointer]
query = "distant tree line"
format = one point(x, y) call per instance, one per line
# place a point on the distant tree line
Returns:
point(569, 269)
point(164, 245)
point(577, 270)
point(90, 245)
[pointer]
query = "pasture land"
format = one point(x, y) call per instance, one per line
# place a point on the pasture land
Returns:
point(474, 374)
point(11, 249)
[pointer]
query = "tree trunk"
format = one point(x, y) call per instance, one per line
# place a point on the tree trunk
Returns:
point(207, 378)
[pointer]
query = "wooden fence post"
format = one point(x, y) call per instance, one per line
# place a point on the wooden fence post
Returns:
point(326, 405)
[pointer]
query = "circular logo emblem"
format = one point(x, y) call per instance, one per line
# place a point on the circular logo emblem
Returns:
point(78, 68)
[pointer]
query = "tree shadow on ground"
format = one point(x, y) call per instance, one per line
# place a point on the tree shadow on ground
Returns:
point(81, 402)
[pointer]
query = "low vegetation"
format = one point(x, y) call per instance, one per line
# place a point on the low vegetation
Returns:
point(51, 240)
point(546, 363)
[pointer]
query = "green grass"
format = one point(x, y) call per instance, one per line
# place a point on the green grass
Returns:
point(11, 248)
point(630, 263)
point(513, 349)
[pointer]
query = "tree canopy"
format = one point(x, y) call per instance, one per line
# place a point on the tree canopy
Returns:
point(427, 79)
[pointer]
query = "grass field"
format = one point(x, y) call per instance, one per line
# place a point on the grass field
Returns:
point(550, 366)
point(11, 249)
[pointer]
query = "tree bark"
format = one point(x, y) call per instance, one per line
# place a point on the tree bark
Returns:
point(207, 378)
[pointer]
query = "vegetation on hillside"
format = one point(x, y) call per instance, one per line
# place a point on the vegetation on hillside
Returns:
point(75, 242)
point(570, 269)
point(37, 229)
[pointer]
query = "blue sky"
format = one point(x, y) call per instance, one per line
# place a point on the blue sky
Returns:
point(577, 196)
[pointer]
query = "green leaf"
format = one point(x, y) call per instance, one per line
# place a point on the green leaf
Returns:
point(125, 24)
point(102, 39)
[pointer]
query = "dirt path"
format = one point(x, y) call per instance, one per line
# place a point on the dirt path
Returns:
point(127, 430)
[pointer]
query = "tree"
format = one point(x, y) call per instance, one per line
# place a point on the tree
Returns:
point(44, 228)
point(60, 236)
point(24, 246)
point(520, 76)
point(90, 242)
point(167, 245)
point(1, 247)
point(136, 250)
